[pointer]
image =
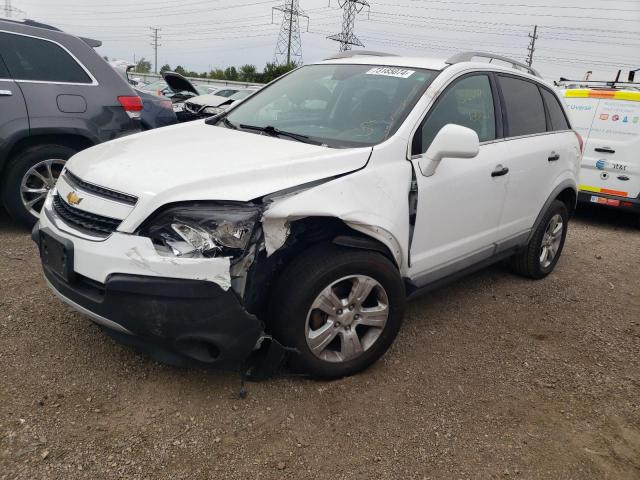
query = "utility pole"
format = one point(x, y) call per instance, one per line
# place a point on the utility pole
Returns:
point(532, 45)
point(347, 38)
point(289, 45)
point(7, 8)
point(155, 45)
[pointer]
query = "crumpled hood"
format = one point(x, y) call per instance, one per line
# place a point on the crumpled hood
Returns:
point(196, 161)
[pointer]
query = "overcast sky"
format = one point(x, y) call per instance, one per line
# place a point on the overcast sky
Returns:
point(574, 35)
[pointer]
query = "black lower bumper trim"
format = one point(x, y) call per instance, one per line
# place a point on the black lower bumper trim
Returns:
point(177, 321)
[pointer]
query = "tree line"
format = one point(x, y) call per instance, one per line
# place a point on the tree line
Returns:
point(245, 73)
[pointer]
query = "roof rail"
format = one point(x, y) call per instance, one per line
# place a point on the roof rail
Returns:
point(355, 53)
point(468, 56)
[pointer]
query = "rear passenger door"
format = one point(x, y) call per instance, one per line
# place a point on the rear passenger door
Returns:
point(13, 111)
point(537, 153)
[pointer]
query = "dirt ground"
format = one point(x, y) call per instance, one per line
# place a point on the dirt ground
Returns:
point(492, 377)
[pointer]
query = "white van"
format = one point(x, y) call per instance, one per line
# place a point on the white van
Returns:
point(609, 122)
point(309, 212)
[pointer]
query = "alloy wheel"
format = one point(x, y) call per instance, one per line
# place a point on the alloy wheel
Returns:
point(37, 182)
point(346, 318)
point(551, 240)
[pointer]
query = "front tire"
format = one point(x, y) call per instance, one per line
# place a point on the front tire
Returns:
point(28, 179)
point(540, 256)
point(339, 308)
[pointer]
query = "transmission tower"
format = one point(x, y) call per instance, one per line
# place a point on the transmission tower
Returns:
point(155, 45)
point(532, 45)
point(7, 8)
point(289, 46)
point(347, 38)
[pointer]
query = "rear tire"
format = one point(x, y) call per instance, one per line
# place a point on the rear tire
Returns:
point(540, 256)
point(352, 329)
point(28, 178)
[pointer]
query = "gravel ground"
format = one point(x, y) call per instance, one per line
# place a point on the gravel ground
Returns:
point(492, 377)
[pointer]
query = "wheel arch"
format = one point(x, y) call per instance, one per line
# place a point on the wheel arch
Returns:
point(303, 234)
point(569, 196)
point(75, 141)
point(566, 192)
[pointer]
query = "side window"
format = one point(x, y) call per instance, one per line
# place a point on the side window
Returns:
point(468, 102)
point(3, 70)
point(556, 113)
point(29, 58)
point(525, 110)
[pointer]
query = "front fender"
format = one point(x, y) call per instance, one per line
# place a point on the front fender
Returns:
point(373, 201)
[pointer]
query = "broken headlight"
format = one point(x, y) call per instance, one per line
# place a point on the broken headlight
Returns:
point(201, 230)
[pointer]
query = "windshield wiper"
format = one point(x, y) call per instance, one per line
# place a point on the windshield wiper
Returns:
point(228, 123)
point(271, 130)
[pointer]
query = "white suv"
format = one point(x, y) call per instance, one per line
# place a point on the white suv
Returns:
point(303, 217)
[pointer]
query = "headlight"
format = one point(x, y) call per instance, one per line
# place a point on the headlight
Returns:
point(212, 110)
point(201, 230)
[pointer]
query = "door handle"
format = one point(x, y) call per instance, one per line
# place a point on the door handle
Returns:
point(604, 150)
point(554, 157)
point(499, 171)
point(5, 93)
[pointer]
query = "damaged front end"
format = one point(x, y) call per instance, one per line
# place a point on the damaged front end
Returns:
point(230, 231)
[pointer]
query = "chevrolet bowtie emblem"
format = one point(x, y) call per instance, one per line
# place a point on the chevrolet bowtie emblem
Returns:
point(73, 198)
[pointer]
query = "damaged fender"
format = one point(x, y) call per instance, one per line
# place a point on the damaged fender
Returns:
point(373, 200)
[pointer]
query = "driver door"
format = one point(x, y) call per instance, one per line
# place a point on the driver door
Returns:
point(458, 212)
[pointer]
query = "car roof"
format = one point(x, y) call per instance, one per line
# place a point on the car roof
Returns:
point(437, 64)
point(32, 24)
point(390, 60)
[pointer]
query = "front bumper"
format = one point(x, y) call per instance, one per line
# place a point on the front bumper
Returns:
point(181, 321)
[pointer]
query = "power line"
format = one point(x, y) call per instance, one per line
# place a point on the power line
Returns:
point(532, 45)
point(503, 12)
point(527, 5)
point(347, 38)
point(155, 45)
point(289, 44)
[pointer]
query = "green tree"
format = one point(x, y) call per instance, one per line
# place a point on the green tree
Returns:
point(165, 68)
point(231, 73)
point(248, 73)
point(179, 69)
point(217, 74)
point(273, 71)
point(143, 66)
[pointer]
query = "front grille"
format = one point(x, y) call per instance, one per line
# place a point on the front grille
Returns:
point(89, 222)
point(100, 191)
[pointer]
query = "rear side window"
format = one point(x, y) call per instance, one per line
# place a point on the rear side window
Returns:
point(523, 103)
point(29, 58)
point(468, 102)
point(3, 70)
point(556, 113)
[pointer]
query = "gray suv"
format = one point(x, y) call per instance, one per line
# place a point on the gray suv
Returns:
point(57, 97)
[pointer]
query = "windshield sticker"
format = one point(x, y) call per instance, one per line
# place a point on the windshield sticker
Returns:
point(391, 72)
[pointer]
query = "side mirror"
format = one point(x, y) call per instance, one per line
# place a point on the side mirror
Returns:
point(452, 141)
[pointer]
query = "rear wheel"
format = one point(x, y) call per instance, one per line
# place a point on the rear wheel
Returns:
point(339, 308)
point(542, 253)
point(28, 179)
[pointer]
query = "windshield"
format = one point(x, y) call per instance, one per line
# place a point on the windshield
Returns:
point(338, 105)
point(240, 94)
